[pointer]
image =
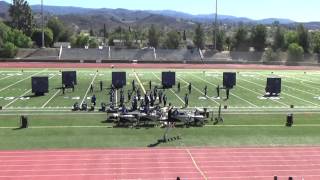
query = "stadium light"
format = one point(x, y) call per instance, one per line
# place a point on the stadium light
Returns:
point(42, 24)
point(215, 28)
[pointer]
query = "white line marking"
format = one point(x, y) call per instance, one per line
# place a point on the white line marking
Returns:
point(170, 89)
point(287, 105)
point(195, 164)
point(141, 85)
point(284, 93)
point(199, 91)
point(5, 77)
point(25, 93)
point(22, 80)
point(230, 93)
point(290, 86)
point(85, 96)
point(46, 103)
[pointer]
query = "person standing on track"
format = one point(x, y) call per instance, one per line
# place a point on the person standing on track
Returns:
point(179, 86)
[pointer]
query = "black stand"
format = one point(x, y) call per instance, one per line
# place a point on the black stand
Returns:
point(219, 118)
point(24, 122)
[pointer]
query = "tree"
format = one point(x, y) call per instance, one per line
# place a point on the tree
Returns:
point(303, 38)
point(111, 41)
point(290, 37)
point(19, 39)
point(228, 43)
point(80, 41)
point(278, 39)
point(118, 31)
point(13, 36)
point(21, 16)
point(48, 37)
point(199, 37)
point(153, 37)
point(104, 33)
point(172, 40)
point(57, 28)
point(295, 52)
point(91, 33)
point(9, 50)
point(128, 38)
point(316, 42)
point(259, 37)
point(93, 43)
point(184, 35)
point(240, 40)
point(66, 35)
point(220, 40)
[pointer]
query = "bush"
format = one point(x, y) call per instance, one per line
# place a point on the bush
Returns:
point(270, 55)
point(48, 37)
point(295, 52)
point(9, 50)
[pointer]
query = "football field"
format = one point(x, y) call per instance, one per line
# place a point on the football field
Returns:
point(299, 88)
point(250, 118)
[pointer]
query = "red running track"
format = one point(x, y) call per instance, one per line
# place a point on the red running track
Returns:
point(146, 164)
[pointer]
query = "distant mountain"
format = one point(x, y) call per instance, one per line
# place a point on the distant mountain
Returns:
point(4, 7)
point(85, 18)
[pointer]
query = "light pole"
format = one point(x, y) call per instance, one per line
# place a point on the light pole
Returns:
point(216, 27)
point(42, 24)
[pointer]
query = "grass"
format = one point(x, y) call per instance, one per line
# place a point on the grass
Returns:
point(249, 119)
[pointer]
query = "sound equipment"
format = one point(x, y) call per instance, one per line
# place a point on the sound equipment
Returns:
point(119, 79)
point(69, 78)
point(229, 80)
point(40, 85)
point(168, 79)
point(273, 86)
point(24, 122)
point(289, 122)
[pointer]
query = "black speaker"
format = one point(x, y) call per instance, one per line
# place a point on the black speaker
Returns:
point(229, 79)
point(119, 79)
point(168, 79)
point(69, 78)
point(273, 86)
point(40, 85)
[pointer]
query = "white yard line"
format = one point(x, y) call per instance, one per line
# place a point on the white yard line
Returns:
point(170, 89)
point(22, 95)
point(5, 77)
point(287, 105)
point(85, 96)
point(22, 80)
point(285, 94)
point(252, 104)
point(290, 87)
point(46, 103)
point(141, 85)
point(25, 93)
point(199, 91)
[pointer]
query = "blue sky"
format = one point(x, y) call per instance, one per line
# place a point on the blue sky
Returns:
point(298, 10)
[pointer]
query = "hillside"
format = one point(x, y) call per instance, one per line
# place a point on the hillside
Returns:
point(87, 18)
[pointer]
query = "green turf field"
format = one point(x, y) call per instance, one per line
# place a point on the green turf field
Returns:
point(249, 120)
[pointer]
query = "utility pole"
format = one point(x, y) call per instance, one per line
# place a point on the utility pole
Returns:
point(216, 27)
point(42, 24)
